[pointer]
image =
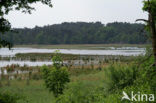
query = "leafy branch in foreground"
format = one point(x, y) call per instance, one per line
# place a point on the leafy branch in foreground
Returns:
point(4, 43)
point(9, 5)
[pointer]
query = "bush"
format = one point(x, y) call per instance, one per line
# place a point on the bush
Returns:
point(56, 77)
point(11, 98)
point(82, 92)
point(120, 76)
point(130, 78)
point(147, 75)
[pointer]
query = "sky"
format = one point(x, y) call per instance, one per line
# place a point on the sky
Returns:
point(105, 11)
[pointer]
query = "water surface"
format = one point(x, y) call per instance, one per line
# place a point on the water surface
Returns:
point(125, 51)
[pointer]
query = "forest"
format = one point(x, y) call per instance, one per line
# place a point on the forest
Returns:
point(79, 33)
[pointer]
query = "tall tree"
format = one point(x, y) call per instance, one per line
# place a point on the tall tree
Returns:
point(8, 5)
point(150, 8)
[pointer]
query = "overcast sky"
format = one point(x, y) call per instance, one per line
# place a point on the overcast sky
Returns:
point(79, 10)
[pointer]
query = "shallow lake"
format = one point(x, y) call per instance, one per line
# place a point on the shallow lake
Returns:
point(127, 51)
point(124, 51)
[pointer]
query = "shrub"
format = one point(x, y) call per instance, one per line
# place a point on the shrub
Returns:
point(120, 76)
point(11, 98)
point(130, 78)
point(82, 92)
point(55, 77)
point(147, 75)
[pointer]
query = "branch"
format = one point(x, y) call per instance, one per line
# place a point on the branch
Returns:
point(149, 7)
point(4, 43)
point(142, 20)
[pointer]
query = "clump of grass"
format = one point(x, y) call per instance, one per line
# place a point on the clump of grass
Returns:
point(44, 56)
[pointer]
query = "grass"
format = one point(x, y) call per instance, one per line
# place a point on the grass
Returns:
point(34, 93)
point(84, 83)
point(45, 56)
point(37, 93)
point(82, 46)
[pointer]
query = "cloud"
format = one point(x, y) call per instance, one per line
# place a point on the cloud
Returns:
point(80, 10)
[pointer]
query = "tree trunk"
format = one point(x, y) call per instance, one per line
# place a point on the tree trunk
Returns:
point(153, 32)
point(0, 80)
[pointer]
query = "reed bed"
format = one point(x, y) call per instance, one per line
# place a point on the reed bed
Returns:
point(65, 57)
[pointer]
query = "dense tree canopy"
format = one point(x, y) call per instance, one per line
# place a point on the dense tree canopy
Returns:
point(80, 33)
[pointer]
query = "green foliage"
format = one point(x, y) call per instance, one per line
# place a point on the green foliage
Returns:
point(4, 24)
point(4, 43)
point(147, 75)
point(44, 56)
point(8, 5)
point(80, 33)
point(151, 74)
point(93, 87)
point(56, 77)
point(120, 76)
point(10, 98)
point(57, 60)
point(150, 4)
point(33, 93)
point(141, 79)
point(82, 92)
point(150, 7)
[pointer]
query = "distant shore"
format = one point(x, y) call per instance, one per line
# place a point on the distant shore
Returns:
point(83, 46)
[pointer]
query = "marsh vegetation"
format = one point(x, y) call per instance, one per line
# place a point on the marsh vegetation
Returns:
point(92, 78)
point(104, 82)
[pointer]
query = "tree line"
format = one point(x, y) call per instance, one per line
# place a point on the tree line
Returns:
point(79, 33)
